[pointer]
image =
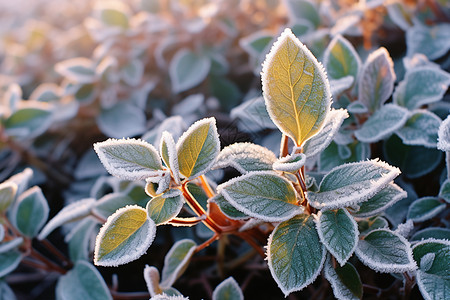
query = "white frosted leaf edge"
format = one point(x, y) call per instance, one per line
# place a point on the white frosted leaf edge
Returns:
point(226, 284)
point(290, 163)
point(151, 277)
point(9, 245)
point(444, 135)
point(167, 139)
point(168, 279)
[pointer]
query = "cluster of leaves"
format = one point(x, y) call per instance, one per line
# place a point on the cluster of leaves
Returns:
point(325, 197)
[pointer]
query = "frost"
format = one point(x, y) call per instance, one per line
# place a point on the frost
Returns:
point(162, 179)
point(425, 208)
point(405, 229)
point(70, 213)
point(290, 163)
point(176, 261)
point(340, 290)
point(151, 277)
point(427, 261)
point(245, 157)
point(168, 151)
point(228, 290)
point(11, 244)
point(444, 135)
point(420, 129)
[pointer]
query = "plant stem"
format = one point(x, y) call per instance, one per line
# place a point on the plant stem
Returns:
point(249, 239)
point(206, 187)
point(51, 265)
point(186, 221)
point(284, 151)
point(207, 243)
point(56, 252)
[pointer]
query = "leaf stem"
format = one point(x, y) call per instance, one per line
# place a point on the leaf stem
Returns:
point(206, 187)
point(284, 151)
point(202, 246)
point(249, 239)
point(186, 221)
point(49, 246)
point(51, 265)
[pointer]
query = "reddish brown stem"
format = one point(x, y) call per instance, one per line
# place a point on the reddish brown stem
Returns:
point(206, 187)
point(284, 151)
point(207, 243)
point(249, 239)
point(185, 221)
point(51, 265)
point(56, 252)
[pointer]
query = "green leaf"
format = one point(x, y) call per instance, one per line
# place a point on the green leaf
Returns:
point(444, 135)
point(321, 140)
point(340, 59)
point(85, 93)
point(108, 204)
point(352, 183)
point(187, 69)
point(29, 122)
point(82, 282)
point(168, 151)
point(9, 261)
point(121, 120)
point(421, 129)
point(296, 89)
point(295, 254)
point(163, 208)
point(433, 41)
point(330, 157)
point(128, 158)
point(411, 93)
point(431, 232)
point(382, 123)
point(70, 213)
point(79, 70)
point(245, 157)
point(176, 261)
point(225, 90)
point(338, 231)
point(227, 208)
point(6, 292)
point(80, 240)
point(198, 148)
point(10, 244)
point(357, 107)
point(124, 237)
point(263, 195)
point(371, 224)
point(344, 280)
point(425, 208)
point(433, 281)
point(303, 9)
point(382, 200)
point(376, 82)
point(385, 251)
point(414, 161)
point(132, 72)
point(8, 191)
point(444, 191)
point(228, 290)
point(252, 115)
point(30, 212)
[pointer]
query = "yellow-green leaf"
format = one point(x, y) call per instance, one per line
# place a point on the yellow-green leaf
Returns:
point(296, 88)
point(126, 236)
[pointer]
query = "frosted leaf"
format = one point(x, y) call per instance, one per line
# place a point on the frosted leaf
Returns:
point(425, 208)
point(132, 72)
point(420, 129)
point(444, 135)
point(251, 223)
point(376, 82)
point(174, 125)
point(405, 229)
point(400, 15)
point(245, 157)
point(164, 296)
point(9, 262)
point(151, 277)
point(341, 60)
point(431, 232)
point(162, 209)
point(338, 86)
point(418, 60)
point(109, 203)
point(22, 180)
point(382, 123)
point(228, 209)
point(303, 10)
point(322, 139)
point(8, 190)
point(367, 226)
point(433, 41)
point(2, 233)
point(338, 231)
point(290, 163)
point(176, 261)
point(228, 290)
point(253, 115)
point(6, 292)
point(357, 107)
point(80, 239)
point(124, 237)
point(89, 166)
point(381, 201)
point(263, 194)
point(427, 261)
point(70, 213)
point(11, 244)
point(352, 183)
point(444, 191)
point(344, 281)
point(129, 159)
point(162, 180)
point(192, 104)
point(121, 120)
point(385, 251)
point(295, 254)
point(79, 69)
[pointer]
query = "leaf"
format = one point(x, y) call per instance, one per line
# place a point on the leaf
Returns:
point(9, 262)
point(422, 85)
point(85, 93)
point(340, 85)
point(320, 141)
point(122, 120)
point(187, 69)
point(228, 209)
point(30, 212)
point(79, 70)
point(176, 261)
point(444, 135)
point(444, 191)
point(82, 282)
point(129, 159)
point(376, 82)
point(295, 254)
point(382, 200)
point(225, 90)
point(29, 122)
point(6, 292)
point(12, 96)
point(431, 232)
point(151, 277)
point(371, 224)
point(290, 163)
point(425, 208)
point(357, 107)
point(330, 157)
point(162, 209)
point(124, 237)
point(113, 16)
point(433, 41)
point(70, 213)
point(344, 280)
point(10, 244)
point(2, 235)
point(253, 115)
point(338, 231)
point(414, 161)
point(80, 240)
point(421, 129)
point(263, 195)
point(228, 290)
point(255, 43)
point(109, 203)
point(382, 123)
point(400, 15)
point(245, 157)
point(132, 73)
point(198, 148)
point(8, 191)
point(340, 59)
point(303, 9)
point(434, 281)
point(296, 89)
point(168, 151)
point(351, 184)
point(385, 251)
